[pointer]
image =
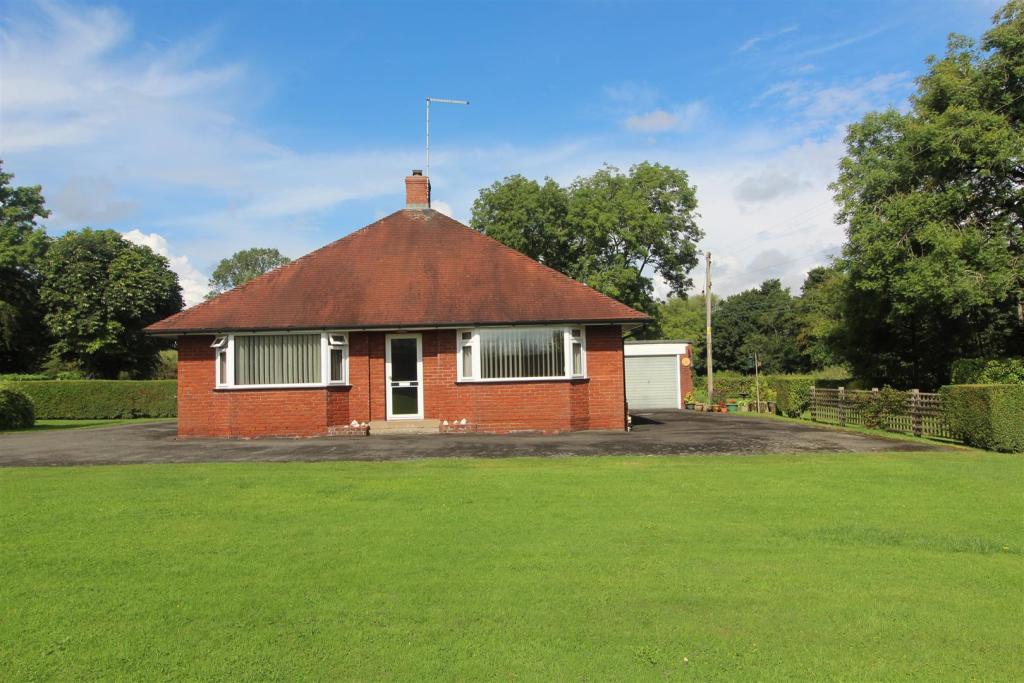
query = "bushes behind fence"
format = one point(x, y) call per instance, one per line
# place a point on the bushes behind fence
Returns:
point(988, 371)
point(98, 399)
point(987, 416)
point(16, 410)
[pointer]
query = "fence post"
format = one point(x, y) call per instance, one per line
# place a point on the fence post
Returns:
point(814, 405)
point(842, 406)
point(874, 406)
point(915, 410)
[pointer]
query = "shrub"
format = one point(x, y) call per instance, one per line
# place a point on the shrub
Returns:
point(986, 415)
point(16, 409)
point(792, 393)
point(728, 384)
point(988, 371)
point(99, 399)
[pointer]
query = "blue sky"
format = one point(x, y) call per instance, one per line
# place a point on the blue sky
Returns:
point(201, 128)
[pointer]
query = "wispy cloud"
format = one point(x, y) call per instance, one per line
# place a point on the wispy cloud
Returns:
point(819, 104)
point(680, 119)
point(751, 43)
point(840, 43)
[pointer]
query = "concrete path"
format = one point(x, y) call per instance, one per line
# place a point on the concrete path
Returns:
point(661, 433)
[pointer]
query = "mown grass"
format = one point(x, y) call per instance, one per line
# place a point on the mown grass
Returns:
point(49, 425)
point(863, 567)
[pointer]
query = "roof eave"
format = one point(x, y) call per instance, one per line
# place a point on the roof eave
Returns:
point(177, 332)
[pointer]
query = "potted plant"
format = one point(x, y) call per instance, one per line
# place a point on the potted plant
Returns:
point(732, 405)
point(688, 400)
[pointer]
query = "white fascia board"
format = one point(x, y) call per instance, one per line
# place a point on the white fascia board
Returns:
point(666, 349)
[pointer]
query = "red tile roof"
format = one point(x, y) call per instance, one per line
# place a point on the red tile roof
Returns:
point(412, 268)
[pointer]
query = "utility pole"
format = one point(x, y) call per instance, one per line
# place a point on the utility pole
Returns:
point(707, 307)
point(757, 383)
point(442, 101)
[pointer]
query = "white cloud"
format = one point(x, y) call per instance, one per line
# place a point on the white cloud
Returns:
point(680, 119)
point(193, 283)
point(821, 105)
point(753, 42)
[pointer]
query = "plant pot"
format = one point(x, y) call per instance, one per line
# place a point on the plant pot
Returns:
point(689, 406)
point(732, 408)
point(699, 407)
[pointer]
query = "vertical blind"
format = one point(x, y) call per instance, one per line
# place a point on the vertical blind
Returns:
point(522, 353)
point(277, 359)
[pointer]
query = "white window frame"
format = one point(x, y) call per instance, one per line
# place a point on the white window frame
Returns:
point(226, 343)
point(334, 341)
point(474, 343)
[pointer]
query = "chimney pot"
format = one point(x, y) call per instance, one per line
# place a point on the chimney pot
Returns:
point(417, 190)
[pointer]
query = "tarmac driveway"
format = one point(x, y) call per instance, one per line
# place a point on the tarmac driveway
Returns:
point(657, 433)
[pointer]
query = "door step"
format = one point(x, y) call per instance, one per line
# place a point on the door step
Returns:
point(381, 427)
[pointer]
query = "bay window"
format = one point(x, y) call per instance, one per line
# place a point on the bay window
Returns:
point(281, 360)
point(521, 353)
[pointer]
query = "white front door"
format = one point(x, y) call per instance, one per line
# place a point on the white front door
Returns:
point(403, 375)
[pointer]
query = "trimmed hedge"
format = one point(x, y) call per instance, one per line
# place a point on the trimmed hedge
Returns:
point(16, 410)
point(792, 393)
point(101, 399)
point(988, 371)
point(989, 416)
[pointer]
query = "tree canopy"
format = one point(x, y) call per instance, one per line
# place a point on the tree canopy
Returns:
point(243, 266)
point(612, 230)
point(686, 319)
point(934, 203)
point(23, 243)
point(764, 321)
point(100, 290)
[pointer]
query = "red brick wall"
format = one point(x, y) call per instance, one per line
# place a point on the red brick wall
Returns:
point(686, 373)
point(552, 406)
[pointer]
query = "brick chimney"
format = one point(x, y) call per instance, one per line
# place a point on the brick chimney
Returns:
point(417, 191)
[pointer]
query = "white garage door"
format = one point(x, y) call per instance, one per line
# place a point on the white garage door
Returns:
point(652, 382)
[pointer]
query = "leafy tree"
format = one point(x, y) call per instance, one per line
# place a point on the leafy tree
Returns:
point(761, 320)
point(100, 291)
point(243, 266)
point(611, 230)
point(23, 243)
point(819, 314)
point(934, 204)
point(686, 318)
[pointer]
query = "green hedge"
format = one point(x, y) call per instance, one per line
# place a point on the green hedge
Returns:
point(792, 393)
point(988, 371)
point(101, 399)
point(727, 384)
point(989, 416)
point(16, 409)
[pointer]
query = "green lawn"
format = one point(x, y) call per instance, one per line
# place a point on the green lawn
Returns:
point(43, 425)
point(815, 566)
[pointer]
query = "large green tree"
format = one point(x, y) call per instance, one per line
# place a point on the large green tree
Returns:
point(686, 318)
point(934, 203)
point(23, 242)
point(100, 291)
point(762, 321)
point(243, 266)
point(821, 333)
point(612, 230)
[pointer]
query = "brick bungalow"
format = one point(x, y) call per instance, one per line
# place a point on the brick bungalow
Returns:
point(415, 321)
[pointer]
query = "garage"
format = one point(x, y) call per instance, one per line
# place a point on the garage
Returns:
point(657, 374)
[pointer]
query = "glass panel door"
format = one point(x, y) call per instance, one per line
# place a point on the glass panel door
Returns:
point(404, 383)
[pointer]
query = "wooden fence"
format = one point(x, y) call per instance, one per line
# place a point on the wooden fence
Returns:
point(908, 412)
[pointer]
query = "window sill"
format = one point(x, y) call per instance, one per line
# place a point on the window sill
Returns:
point(509, 380)
point(265, 387)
